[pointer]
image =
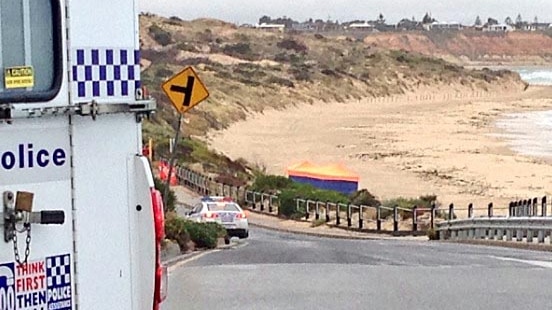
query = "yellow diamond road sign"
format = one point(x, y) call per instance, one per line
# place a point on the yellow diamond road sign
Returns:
point(185, 90)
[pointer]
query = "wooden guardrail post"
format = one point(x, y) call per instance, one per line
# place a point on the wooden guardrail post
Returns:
point(414, 219)
point(543, 206)
point(337, 209)
point(360, 218)
point(317, 212)
point(349, 219)
point(378, 218)
point(433, 207)
point(395, 220)
point(270, 208)
point(327, 211)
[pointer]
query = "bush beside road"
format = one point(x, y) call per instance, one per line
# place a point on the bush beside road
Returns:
point(184, 236)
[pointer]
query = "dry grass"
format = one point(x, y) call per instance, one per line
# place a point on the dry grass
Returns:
point(249, 71)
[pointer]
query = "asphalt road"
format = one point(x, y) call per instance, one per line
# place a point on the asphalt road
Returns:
point(284, 271)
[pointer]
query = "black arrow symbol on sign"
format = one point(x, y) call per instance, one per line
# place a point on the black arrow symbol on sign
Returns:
point(187, 91)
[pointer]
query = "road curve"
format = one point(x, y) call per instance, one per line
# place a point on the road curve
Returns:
point(285, 271)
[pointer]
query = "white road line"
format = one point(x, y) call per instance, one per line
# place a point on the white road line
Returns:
point(191, 259)
point(198, 256)
point(537, 263)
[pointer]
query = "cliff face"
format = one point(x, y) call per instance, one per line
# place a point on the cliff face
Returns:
point(466, 46)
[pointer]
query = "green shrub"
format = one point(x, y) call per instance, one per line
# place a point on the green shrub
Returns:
point(280, 81)
point(288, 205)
point(407, 203)
point(163, 72)
point(160, 35)
point(301, 73)
point(175, 229)
point(290, 44)
point(239, 50)
point(282, 57)
point(364, 197)
point(270, 183)
point(185, 46)
point(432, 234)
point(205, 235)
point(170, 202)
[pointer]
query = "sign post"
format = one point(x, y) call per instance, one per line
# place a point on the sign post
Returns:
point(185, 90)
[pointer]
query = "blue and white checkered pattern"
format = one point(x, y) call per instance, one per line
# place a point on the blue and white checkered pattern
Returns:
point(102, 73)
point(58, 271)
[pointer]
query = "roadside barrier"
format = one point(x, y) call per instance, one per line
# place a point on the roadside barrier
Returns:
point(527, 219)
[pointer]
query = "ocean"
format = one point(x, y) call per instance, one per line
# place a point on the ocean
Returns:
point(528, 133)
point(535, 75)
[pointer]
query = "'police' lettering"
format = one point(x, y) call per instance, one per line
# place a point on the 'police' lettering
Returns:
point(27, 157)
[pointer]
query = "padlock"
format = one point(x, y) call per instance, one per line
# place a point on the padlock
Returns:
point(24, 201)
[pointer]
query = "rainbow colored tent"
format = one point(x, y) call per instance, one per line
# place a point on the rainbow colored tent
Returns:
point(334, 177)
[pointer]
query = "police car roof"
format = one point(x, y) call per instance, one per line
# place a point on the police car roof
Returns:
point(217, 199)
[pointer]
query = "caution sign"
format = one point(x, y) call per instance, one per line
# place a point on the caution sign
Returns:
point(185, 90)
point(19, 77)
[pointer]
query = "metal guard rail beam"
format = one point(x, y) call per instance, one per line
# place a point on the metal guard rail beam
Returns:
point(496, 228)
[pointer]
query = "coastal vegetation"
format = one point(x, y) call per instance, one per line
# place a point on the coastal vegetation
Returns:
point(248, 71)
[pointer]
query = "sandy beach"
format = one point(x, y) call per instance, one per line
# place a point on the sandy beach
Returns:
point(464, 149)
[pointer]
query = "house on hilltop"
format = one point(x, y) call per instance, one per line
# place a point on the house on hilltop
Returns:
point(361, 27)
point(497, 28)
point(271, 27)
point(443, 26)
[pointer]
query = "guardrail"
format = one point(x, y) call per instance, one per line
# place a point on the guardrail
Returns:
point(527, 219)
point(357, 217)
point(499, 229)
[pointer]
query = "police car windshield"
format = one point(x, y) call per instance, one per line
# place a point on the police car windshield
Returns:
point(222, 206)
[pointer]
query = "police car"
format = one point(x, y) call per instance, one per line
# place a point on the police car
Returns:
point(222, 210)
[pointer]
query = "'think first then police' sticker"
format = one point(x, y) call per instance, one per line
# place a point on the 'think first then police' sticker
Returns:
point(39, 285)
point(19, 77)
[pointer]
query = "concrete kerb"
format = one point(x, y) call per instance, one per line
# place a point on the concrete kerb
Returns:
point(365, 236)
point(504, 244)
point(313, 234)
point(189, 256)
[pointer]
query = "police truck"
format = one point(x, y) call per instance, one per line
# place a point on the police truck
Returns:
point(81, 220)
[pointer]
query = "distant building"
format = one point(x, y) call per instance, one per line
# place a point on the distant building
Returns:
point(443, 26)
point(361, 27)
point(273, 27)
point(542, 26)
point(306, 26)
point(498, 28)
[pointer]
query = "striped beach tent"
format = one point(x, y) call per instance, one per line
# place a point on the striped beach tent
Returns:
point(334, 177)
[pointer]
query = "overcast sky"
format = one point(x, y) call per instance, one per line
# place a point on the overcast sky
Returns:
point(249, 11)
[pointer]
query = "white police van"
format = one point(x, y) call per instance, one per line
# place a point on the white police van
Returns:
point(81, 221)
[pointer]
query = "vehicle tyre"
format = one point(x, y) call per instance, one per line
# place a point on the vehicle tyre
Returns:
point(227, 240)
point(244, 235)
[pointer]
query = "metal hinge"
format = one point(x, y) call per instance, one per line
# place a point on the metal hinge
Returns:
point(142, 108)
